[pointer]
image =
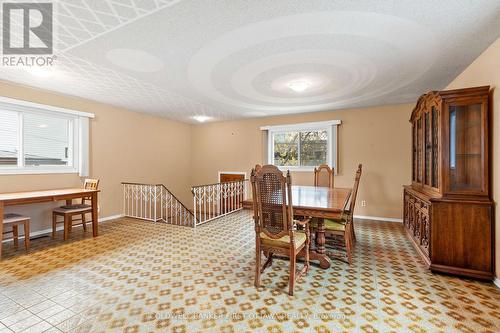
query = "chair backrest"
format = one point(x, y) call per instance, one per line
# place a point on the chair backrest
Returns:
point(355, 189)
point(270, 191)
point(323, 176)
point(90, 184)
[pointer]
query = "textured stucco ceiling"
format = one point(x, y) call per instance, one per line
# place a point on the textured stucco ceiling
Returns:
point(233, 59)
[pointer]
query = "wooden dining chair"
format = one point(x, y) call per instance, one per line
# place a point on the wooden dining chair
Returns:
point(71, 210)
point(275, 229)
point(323, 176)
point(14, 221)
point(344, 226)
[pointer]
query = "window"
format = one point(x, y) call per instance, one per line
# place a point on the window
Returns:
point(303, 146)
point(9, 138)
point(36, 138)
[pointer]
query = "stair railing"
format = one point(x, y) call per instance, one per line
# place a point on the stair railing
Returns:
point(212, 201)
point(154, 202)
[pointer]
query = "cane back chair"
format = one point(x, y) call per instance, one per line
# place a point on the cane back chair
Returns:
point(275, 229)
point(344, 226)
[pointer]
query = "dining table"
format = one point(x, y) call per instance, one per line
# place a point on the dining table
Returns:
point(320, 203)
point(32, 197)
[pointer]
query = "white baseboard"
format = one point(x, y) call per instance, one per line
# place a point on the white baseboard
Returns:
point(497, 282)
point(112, 217)
point(49, 230)
point(377, 218)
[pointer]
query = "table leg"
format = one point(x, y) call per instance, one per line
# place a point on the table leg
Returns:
point(95, 230)
point(320, 253)
point(1, 227)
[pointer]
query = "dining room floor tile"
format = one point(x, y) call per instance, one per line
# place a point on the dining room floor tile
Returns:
point(140, 276)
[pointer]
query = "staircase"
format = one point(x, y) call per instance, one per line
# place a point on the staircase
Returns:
point(213, 201)
point(155, 202)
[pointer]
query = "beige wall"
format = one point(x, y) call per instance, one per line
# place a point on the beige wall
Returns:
point(125, 146)
point(128, 146)
point(485, 70)
point(378, 137)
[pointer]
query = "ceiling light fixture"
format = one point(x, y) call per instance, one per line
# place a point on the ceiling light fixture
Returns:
point(201, 119)
point(299, 85)
point(42, 126)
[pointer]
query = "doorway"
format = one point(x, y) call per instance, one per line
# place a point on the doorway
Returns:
point(225, 177)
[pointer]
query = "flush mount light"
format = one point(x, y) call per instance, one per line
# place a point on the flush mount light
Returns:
point(201, 119)
point(42, 126)
point(299, 85)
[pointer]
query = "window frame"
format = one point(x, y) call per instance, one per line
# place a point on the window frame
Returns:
point(77, 134)
point(332, 142)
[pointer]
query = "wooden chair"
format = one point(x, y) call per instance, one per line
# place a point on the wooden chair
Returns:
point(323, 176)
point(70, 210)
point(275, 229)
point(14, 221)
point(344, 226)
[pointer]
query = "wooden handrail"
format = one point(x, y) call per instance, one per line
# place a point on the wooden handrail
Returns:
point(232, 181)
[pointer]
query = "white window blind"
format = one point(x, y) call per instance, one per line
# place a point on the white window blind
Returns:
point(47, 140)
point(37, 138)
point(9, 133)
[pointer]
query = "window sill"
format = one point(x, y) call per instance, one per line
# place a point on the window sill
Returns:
point(296, 169)
point(300, 169)
point(36, 171)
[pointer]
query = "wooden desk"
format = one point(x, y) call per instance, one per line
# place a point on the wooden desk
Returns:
point(23, 198)
point(319, 202)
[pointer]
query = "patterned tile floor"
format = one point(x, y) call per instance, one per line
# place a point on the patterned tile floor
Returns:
point(143, 277)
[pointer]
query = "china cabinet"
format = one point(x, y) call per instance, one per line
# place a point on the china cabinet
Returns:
point(448, 206)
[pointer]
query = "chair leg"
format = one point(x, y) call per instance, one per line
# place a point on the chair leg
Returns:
point(54, 225)
point(66, 226)
point(268, 262)
point(307, 255)
point(27, 235)
point(348, 242)
point(312, 240)
point(84, 224)
point(15, 233)
point(293, 264)
point(353, 233)
point(257, 263)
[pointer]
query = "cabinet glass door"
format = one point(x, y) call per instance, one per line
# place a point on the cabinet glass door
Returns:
point(466, 156)
point(419, 150)
point(414, 152)
point(435, 148)
point(427, 148)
